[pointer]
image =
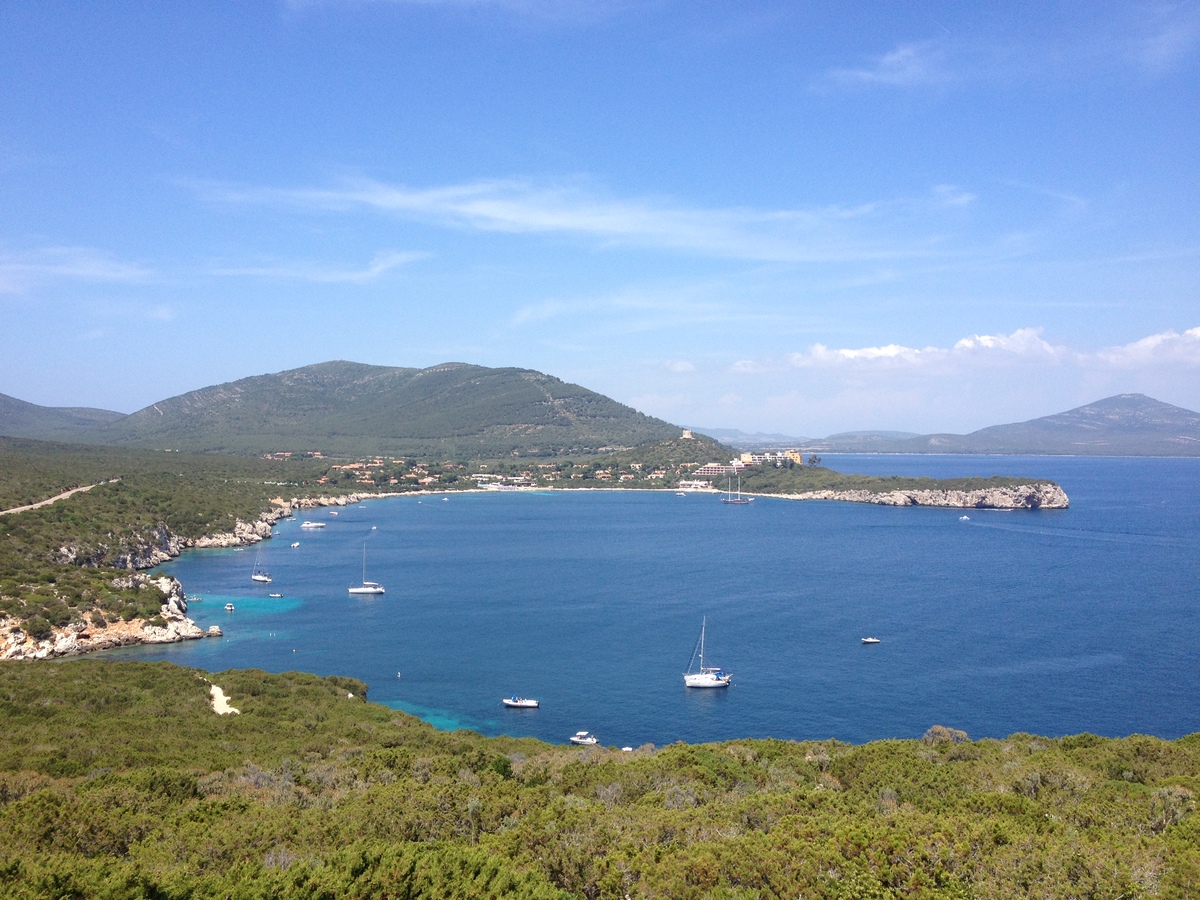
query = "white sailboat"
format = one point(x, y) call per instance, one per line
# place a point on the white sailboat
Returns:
point(259, 574)
point(707, 676)
point(367, 587)
point(730, 498)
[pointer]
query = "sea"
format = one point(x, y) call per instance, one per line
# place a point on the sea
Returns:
point(1048, 622)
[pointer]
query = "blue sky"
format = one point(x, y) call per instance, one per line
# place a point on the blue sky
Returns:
point(773, 216)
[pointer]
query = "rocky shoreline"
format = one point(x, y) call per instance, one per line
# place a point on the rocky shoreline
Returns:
point(80, 637)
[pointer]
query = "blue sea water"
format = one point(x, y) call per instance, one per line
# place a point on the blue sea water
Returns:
point(1050, 622)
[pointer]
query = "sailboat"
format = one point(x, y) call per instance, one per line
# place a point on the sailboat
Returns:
point(259, 574)
point(367, 587)
point(729, 498)
point(708, 676)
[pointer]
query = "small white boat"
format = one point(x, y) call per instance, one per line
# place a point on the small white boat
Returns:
point(312, 524)
point(295, 544)
point(707, 676)
point(367, 587)
point(275, 596)
point(228, 607)
point(515, 702)
point(964, 518)
point(259, 574)
point(585, 738)
point(870, 640)
point(333, 513)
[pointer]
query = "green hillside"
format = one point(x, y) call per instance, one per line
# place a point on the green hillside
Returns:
point(48, 423)
point(119, 780)
point(454, 411)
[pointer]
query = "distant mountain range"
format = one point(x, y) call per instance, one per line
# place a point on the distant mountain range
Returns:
point(462, 411)
point(1124, 425)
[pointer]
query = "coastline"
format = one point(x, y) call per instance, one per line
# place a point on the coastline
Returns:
point(78, 637)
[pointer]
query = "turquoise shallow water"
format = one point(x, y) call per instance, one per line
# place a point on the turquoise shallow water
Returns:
point(1051, 622)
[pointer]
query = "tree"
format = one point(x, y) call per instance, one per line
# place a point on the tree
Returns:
point(814, 460)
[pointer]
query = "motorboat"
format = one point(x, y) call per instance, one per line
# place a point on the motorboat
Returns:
point(367, 587)
point(584, 738)
point(275, 596)
point(706, 676)
point(295, 544)
point(964, 518)
point(228, 607)
point(312, 524)
point(515, 702)
point(870, 640)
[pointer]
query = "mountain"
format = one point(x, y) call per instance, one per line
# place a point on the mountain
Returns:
point(746, 441)
point(1124, 425)
point(50, 423)
point(343, 408)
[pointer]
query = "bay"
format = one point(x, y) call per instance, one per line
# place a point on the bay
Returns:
point(1049, 622)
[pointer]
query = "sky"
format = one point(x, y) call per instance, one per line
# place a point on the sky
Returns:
point(786, 217)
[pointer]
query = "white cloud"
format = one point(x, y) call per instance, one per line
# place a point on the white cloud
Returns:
point(305, 271)
point(1169, 347)
point(19, 271)
point(978, 348)
point(1025, 347)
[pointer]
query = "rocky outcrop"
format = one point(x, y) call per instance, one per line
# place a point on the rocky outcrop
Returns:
point(1042, 495)
point(163, 545)
point(80, 637)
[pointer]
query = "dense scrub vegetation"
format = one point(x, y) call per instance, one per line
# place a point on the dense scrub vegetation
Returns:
point(119, 780)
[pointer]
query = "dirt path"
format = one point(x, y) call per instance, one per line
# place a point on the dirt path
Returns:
point(63, 496)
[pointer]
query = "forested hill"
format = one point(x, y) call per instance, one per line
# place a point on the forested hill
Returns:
point(350, 409)
point(28, 420)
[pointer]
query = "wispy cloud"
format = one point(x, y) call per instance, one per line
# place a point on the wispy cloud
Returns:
point(306, 271)
point(1163, 35)
point(20, 271)
point(1153, 39)
point(863, 232)
point(906, 65)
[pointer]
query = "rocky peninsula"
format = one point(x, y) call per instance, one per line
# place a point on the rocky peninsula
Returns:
point(1042, 495)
